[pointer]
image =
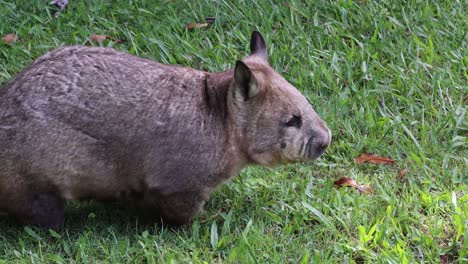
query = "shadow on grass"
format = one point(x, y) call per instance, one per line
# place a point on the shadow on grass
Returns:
point(93, 216)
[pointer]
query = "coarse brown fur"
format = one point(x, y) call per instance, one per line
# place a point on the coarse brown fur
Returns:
point(96, 123)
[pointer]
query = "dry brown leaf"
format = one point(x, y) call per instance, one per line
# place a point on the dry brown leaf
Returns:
point(348, 182)
point(115, 40)
point(99, 38)
point(372, 158)
point(9, 38)
point(289, 5)
point(402, 173)
point(196, 25)
point(364, 189)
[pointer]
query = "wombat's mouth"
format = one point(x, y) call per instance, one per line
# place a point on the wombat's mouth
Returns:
point(310, 151)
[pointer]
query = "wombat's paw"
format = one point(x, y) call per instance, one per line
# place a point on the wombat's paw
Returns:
point(179, 208)
point(177, 220)
point(45, 211)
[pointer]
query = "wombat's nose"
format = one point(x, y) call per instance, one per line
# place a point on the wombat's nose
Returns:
point(323, 139)
point(327, 141)
point(323, 145)
point(320, 138)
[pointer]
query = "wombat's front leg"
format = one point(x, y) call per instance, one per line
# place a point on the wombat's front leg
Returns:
point(178, 208)
point(43, 210)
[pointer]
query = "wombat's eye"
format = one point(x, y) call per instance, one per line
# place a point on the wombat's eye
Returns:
point(295, 121)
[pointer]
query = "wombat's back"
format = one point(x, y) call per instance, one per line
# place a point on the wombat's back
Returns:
point(87, 87)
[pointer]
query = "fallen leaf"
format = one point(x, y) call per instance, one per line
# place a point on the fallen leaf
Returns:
point(372, 158)
point(101, 38)
point(348, 182)
point(363, 1)
point(9, 38)
point(289, 5)
point(402, 173)
point(98, 38)
point(364, 189)
point(210, 20)
point(196, 25)
point(115, 40)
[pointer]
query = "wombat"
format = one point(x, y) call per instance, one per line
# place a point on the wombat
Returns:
point(96, 123)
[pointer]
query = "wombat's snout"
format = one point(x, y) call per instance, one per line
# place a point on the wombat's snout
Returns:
point(318, 142)
point(322, 145)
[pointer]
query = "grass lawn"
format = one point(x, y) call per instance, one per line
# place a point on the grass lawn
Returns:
point(388, 78)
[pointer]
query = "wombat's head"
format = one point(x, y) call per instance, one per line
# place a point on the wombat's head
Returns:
point(276, 122)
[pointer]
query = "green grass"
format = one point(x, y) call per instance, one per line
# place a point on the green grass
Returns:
point(389, 77)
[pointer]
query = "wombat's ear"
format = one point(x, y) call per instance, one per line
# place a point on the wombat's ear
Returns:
point(245, 80)
point(258, 45)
